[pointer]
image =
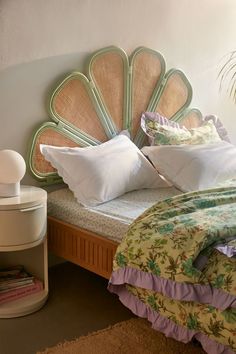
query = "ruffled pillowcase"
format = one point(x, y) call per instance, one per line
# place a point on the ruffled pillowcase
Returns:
point(97, 174)
point(162, 131)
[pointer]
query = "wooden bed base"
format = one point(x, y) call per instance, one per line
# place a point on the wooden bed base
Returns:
point(79, 246)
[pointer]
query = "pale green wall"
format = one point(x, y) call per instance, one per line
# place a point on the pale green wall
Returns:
point(40, 41)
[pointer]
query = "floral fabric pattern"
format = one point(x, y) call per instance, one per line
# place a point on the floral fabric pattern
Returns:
point(167, 239)
point(217, 325)
point(169, 260)
point(166, 134)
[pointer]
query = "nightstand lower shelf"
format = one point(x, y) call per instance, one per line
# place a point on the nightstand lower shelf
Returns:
point(23, 244)
point(35, 261)
point(23, 306)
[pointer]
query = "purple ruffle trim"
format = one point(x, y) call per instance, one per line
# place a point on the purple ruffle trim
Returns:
point(204, 294)
point(228, 250)
point(164, 325)
point(156, 117)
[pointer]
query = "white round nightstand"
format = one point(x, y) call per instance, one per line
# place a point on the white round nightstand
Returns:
point(23, 241)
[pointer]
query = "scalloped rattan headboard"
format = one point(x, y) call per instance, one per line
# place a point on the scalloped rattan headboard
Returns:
point(88, 110)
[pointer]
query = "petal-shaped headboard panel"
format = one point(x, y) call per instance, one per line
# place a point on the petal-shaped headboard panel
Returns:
point(108, 70)
point(88, 110)
point(148, 69)
point(175, 94)
point(191, 118)
point(50, 134)
point(74, 104)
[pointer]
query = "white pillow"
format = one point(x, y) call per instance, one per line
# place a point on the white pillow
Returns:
point(194, 167)
point(100, 173)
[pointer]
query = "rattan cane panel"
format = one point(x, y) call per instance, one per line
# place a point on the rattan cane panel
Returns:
point(146, 74)
point(191, 121)
point(108, 74)
point(48, 136)
point(73, 104)
point(173, 97)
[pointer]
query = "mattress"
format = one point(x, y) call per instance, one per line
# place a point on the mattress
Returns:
point(110, 219)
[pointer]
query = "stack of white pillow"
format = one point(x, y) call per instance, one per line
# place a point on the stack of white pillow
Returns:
point(193, 159)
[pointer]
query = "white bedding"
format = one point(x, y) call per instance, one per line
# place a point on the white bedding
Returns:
point(97, 174)
point(109, 219)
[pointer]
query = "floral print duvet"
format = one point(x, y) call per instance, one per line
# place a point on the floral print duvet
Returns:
point(169, 268)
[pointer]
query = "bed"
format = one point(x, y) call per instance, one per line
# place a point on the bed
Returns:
point(86, 111)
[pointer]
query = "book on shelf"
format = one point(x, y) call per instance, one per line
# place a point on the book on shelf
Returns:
point(17, 293)
point(16, 282)
point(13, 277)
point(11, 271)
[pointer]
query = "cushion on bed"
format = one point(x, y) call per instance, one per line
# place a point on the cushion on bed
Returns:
point(97, 174)
point(221, 130)
point(194, 167)
point(162, 131)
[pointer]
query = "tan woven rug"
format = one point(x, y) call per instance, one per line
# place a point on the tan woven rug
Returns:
point(134, 336)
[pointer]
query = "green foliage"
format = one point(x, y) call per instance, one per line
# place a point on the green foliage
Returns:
point(230, 315)
point(227, 75)
point(216, 327)
point(192, 322)
point(151, 264)
point(166, 228)
point(218, 281)
point(188, 268)
point(121, 259)
point(211, 309)
point(152, 301)
point(204, 203)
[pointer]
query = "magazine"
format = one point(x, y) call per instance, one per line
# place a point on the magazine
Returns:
point(16, 282)
point(17, 293)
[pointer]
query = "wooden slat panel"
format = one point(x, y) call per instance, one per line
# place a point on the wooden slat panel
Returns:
point(81, 251)
point(74, 247)
point(90, 251)
point(100, 256)
point(95, 255)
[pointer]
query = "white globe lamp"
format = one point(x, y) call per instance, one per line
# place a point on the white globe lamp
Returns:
point(12, 170)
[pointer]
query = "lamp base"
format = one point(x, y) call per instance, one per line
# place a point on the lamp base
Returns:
point(9, 189)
